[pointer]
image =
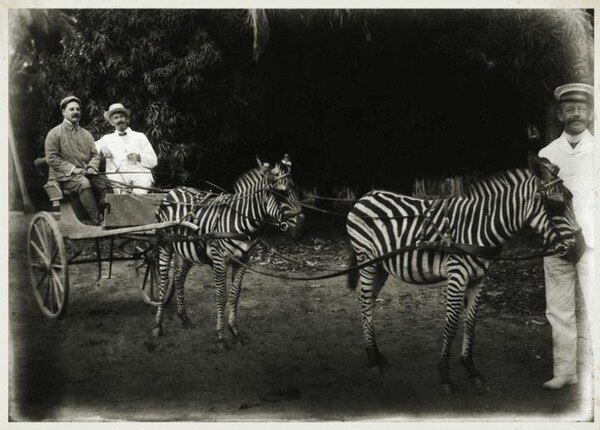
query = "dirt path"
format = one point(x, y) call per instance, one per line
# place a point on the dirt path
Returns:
point(304, 359)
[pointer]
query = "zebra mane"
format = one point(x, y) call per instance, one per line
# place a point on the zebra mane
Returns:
point(505, 180)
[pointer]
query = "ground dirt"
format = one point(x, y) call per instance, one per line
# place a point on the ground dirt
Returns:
point(303, 359)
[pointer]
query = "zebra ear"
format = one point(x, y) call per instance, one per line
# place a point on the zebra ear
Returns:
point(262, 166)
point(286, 163)
point(541, 167)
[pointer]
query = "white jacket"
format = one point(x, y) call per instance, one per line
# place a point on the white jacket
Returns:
point(578, 174)
point(119, 146)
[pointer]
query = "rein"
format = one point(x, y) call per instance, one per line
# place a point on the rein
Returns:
point(461, 249)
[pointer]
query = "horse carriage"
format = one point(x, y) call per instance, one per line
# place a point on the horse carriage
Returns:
point(417, 240)
point(131, 231)
point(58, 240)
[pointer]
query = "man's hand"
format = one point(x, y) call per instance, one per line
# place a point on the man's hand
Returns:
point(91, 171)
point(78, 171)
point(106, 153)
point(134, 157)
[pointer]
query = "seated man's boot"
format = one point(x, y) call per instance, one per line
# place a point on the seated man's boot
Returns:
point(86, 196)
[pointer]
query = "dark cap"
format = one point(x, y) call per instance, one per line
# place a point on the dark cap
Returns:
point(68, 99)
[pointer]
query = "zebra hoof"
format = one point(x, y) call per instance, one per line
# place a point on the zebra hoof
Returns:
point(222, 343)
point(448, 389)
point(376, 359)
point(480, 388)
point(157, 331)
point(477, 381)
point(240, 338)
point(186, 322)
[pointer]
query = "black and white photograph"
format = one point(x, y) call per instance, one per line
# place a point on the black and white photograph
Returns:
point(300, 214)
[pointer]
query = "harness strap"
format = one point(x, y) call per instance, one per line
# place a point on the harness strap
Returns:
point(462, 249)
point(428, 220)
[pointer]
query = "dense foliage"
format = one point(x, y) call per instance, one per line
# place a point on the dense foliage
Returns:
point(360, 98)
point(184, 74)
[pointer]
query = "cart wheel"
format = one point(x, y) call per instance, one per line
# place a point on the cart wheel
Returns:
point(146, 272)
point(48, 265)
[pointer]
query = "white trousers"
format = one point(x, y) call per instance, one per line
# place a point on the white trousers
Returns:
point(145, 180)
point(562, 280)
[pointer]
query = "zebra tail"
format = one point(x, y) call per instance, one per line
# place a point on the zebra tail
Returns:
point(352, 278)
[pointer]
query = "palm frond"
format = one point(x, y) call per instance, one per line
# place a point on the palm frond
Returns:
point(260, 26)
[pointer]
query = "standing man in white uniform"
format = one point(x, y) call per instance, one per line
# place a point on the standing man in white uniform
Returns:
point(129, 154)
point(573, 153)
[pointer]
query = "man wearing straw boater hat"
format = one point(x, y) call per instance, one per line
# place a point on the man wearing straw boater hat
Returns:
point(129, 154)
point(73, 160)
point(573, 153)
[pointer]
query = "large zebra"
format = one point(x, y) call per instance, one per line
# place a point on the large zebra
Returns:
point(224, 226)
point(493, 211)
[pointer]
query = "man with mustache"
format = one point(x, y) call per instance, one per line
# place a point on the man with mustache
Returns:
point(73, 160)
point(129, 154)
point(573, 152)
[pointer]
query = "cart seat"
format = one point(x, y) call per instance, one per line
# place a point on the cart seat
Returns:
point(128, 210)
point(122, 210)
point(52, 188)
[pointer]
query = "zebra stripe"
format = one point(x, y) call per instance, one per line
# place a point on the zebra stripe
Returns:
point(264, 195)
point(492, 211)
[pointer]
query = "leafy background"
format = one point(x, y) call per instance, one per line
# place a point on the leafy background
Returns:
point(359, 98)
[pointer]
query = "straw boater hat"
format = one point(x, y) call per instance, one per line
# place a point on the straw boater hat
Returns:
point(574, 93)
point(68, 99)
point(114, 108)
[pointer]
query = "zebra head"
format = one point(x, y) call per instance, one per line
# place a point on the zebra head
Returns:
point(281, 202)
point(552, 213)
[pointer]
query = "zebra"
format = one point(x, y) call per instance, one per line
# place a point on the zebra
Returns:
point(227, 227)
point(291, 206)
point(493, 210)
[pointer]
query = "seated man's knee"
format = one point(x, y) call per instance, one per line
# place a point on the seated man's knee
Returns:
point(81, 184)
point(75, 185)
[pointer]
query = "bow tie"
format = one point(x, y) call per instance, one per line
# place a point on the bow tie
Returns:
point(123, 133)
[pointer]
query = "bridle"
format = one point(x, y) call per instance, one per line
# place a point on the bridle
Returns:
point(544, 192)
point(282, 222)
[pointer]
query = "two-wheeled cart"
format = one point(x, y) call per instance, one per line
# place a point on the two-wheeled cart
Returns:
point(58, 240)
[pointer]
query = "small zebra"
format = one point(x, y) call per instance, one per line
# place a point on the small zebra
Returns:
point(493, 210)
point(264, 195)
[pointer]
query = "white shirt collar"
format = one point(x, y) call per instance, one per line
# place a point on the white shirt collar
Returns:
point(584, 142)
point(127, 130)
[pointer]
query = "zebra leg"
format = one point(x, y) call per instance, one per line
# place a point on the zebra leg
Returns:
point(471, 301)
point(165, 253)
point(369, 288)
point(220, 272)
point(454, 300)
point(237, 275)
point(180, 271)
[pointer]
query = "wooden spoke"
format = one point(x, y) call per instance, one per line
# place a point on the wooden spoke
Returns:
point(47, 295)
point(48, 265)
point(40, 252)
point(57, 281)
point(56, 292)
point(41, 237)
point(44, 276)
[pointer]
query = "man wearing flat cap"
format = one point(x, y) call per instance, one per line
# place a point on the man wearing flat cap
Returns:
point(129, 154)
point(73, 160)
point(573, 153)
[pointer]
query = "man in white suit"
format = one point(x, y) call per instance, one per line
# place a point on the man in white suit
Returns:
point(573, 153)
point(129, 154)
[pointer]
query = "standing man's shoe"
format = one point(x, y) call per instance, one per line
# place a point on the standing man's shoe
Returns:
point(559, 382)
